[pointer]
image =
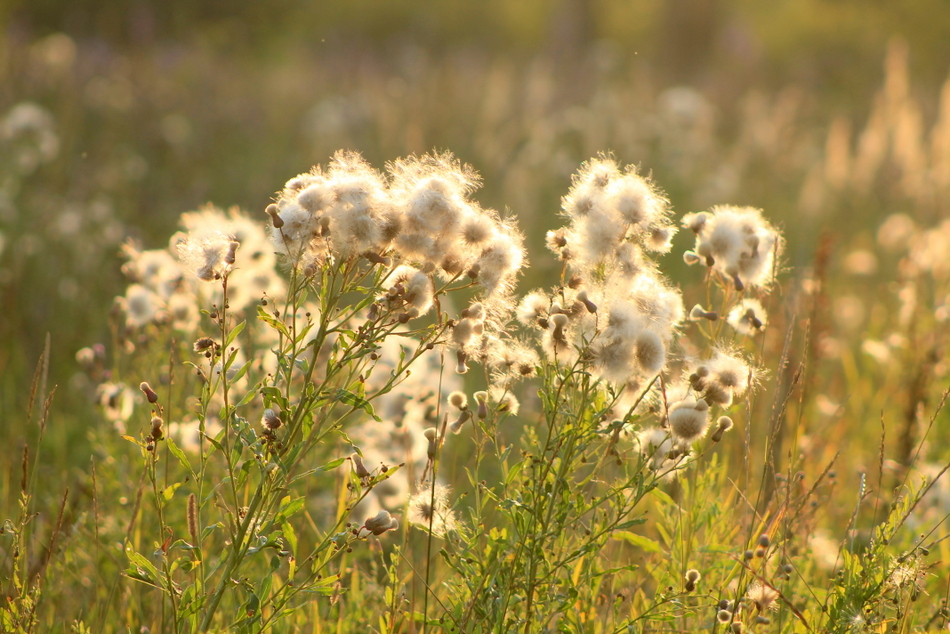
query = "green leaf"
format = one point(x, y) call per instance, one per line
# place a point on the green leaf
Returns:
point(333, 464)
point(290, 536)
point(170, 491)
point(631, 523)
point(644, 543)
point(356, 401)
point(144, 566)
point(178, 453)
point(234, 333)
point(662, 497)
point(240, 373)
point(289, 506)
point(272, 321)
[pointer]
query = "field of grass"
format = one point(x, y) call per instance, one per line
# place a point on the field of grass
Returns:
point(490, 368)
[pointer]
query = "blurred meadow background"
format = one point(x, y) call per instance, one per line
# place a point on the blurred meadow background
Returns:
point(833, 116)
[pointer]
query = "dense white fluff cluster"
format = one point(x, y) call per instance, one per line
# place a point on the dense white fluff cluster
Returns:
point(253, 274)
point(617, 315)
point(689, 420)
point(405, 412)
point(722, 378)
point(664, 454)
point(421, 214)
point(748, 316)
point(737, 242)
point(613, 214)
point(169, 285)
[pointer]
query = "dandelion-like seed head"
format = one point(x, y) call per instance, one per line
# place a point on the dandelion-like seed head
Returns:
point(747, 317)
point(429, 509)
point(689, 420)
point(738, 243)
point(762, 596)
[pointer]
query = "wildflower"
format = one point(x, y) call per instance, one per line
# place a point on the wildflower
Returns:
point(747, 317)
point(203, 253)
point(698, 312)
point(731, 372)
point(204, 343)
point(505, 401)
point(500, 260)
point(651, 354)
point(410, 287)
point(533, 307)
point(482, 399)
point(142, 306)
point(589, 305)
point(556, 241)
point(183, 311)
point(429, 509)
point(157, 431)
point(692, 578)
point(688, 420)
point(117, 401)
point(432, 435)
point(723, 425)
point(737, 242)
point(358, 467)
point(662, 453)
point(273, 211)
point(514, 360)
point(762, 596)
point(271, 420)
point(381, 523)
point(458, 400)
point(150, 394)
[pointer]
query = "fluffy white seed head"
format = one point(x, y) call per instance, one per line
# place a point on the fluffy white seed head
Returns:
point(689, 420)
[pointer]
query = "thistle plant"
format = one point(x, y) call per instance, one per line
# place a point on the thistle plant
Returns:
point(346, 413)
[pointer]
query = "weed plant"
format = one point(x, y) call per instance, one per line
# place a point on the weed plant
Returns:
point(346, 418)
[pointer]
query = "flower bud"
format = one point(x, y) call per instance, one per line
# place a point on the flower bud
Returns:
point(381, 523)
point(358, 467)
point(149, 392)
point(271, 420)
point(274, 213)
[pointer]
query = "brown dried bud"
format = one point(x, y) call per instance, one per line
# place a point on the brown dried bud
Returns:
point(274, 212)
point(149, 392)
point(204, 343)
point(157, 425)
point(358, 467)
point(381, 523)
point(271, 420)
point(232, 250)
